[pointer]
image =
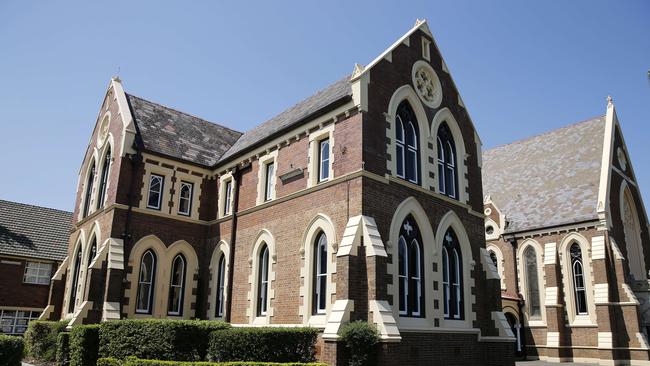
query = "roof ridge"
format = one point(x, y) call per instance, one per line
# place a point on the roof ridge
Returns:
point(35, 206)
point(185, 113)
point(574, 124)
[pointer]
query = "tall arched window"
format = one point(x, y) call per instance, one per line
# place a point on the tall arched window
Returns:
point(452, 277)
point(410, 262)
point(319, 293)
point(89, 190)
point(447, 171)
point(75, 280)
point(533, 303)
point(221, 281)
point(579, 289)
point(407, 156)
point(177, 286)
point(495, 260)
point(146, 282)
point(103, 178)
point(93, 250)
point(263, 280)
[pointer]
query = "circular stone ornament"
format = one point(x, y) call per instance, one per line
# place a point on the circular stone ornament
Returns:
point(427, 84)
point(488, 211)
point(622, 160)
point(103, 130)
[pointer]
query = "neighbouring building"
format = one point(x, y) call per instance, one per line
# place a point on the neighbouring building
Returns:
point(33, 243)
point(363, 201)
point(567, 230)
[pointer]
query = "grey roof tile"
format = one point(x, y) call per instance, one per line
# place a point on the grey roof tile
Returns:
point(33, 231)
point(547, 180)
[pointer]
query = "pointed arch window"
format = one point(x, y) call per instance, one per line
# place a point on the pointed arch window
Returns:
point(494, 259)
point(185, 198)
point(447, 168)
point(577, 269)
point(263, 281)
point(319, 295)
point(177, 286)
point(410, 274)
point(452, 277)
point(221, 281)
point(146, 282)
point(89, 190)
point(103, 181)
point(533, 303)
point(75, 280)
point(407, 153)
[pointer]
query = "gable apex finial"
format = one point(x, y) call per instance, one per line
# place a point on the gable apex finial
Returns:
point(116, 79)
point(358, 70)
point(419, 22)
point(610, 101)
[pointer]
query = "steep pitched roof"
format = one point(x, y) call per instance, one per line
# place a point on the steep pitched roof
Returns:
point(32, 231)
point(179, 135)
point(547, 180)
point(338, 91)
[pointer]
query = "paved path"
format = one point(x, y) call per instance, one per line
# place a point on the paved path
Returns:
point(542, 363)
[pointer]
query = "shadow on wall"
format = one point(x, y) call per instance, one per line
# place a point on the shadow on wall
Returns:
point(14, 240)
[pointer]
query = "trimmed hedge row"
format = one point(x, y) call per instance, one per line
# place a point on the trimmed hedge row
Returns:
point(84, 345)
point(181, 340)
point(63, 349)
point(263, 345)
point(360, 339)
point(41, 338)
point(11, 350)
point(138, 362)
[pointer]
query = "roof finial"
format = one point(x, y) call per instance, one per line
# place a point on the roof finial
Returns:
point(116, 77)
point(419, 22)
point(610, 101)
point(358, 69)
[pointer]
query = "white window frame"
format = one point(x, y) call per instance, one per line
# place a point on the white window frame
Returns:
point(313, 169)
point(221, 285)
point(42, 277)
point(319, 274)
point(158, 206)
point(266, 183)
point(322, 161)
point(225, 200)
point(262, 298)
point(151, 283)
point(181, 286)
point(10, 319)
point(189, 199)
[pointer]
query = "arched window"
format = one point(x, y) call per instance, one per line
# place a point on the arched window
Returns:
point(533, 304)
point(146, 282)
point(221, 280)
point(75, 280)
point(579, 289)
point(93, 250)
point(319, 293)
point(452, 277)
point(410, 276)
point(447, 171)
point(495, 260)
point(177, 286)
point(104, 178)
point(407, 154)
point(263, 280)
point(89, 190)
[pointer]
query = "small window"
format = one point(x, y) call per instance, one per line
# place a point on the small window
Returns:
point(221, 280)
point(263, 281)
point(146, 283)
point(324, 160)
point(156, 183)
point(185, 199)
point(177, 286)
point(426, 49)
point(38, 273)
point(579, 289)
point(319, 295)
point(227, 198)
point(268, 184)
point(407, 153)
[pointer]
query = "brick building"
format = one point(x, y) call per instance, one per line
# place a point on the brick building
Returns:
point(363, 201)
point(567, 229)
point(33, 242)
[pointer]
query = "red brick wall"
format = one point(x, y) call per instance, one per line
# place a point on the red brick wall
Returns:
point(15, 293)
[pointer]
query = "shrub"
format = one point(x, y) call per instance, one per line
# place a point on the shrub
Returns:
point(41, 337)
point(11, 350)
point(63, 349)
point(154, 339)
point(84, 345)
point(109, 362)
point(263, 345)
point(360, 339)
point(138, 362)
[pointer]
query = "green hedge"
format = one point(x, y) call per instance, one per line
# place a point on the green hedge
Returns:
point(181, 340)
point(263, 344)
point(108, 362)
point(63, 349)
point(41, 338)
point(84, 345)
point(138, 362)
point(360, 339)
point(11, 350)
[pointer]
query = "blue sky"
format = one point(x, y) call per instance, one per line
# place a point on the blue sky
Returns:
point(522, 67)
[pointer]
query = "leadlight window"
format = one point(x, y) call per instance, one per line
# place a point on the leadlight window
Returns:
point(319, 295)
point(221, 280)
point(75, 280)
point(177, 286)
point(263, 281)
point(447, 171)
point(410, 276)
point(38, 273)
point(89, 190)
point(533, 303)
point(268, 183)
point(227, 198)
point(406, 143)
point(579, 289)
point(103, 180)
point(156, 183)
point(452, 277)
point(185, 198)
point(146, 282)
point(324, 160)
